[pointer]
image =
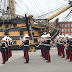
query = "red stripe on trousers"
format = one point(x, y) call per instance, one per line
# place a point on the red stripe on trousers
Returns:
point(70, 56)
point(48, 57)
point(26, 56)
point(60, 52)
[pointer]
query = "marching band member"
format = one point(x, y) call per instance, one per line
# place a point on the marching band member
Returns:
point(60, 42)
point(26, 47)
point(45, 38)
point(6, 46)
point(63, 46)
point(43, 46)
point(3, 50)
point(67, 44)
point(10, 46)
point(47, 47)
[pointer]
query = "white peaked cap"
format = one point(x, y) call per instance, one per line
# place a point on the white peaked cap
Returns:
point(43, 36)
point(70, 37)
point(48, 35)
point(62, 35)
point(26, 35)
point(66, 35)
point(4, 39)
point(57, 37)
point(5, 36)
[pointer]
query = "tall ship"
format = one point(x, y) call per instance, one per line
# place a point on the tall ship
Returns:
point(16, 26)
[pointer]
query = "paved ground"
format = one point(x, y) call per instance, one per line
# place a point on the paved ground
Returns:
point(36, 64)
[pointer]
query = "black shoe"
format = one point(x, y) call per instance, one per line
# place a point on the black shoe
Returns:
point(27, 62)
point(66, 58)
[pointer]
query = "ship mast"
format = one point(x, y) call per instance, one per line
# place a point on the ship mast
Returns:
point(12, 8)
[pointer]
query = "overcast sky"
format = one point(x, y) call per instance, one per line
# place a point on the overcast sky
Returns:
point(40, 7)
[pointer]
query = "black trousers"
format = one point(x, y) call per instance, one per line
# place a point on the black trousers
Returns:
point(61, 46)
point(69, 53)
point(26, 55)
point(47, 55)
point(3, 54)
point(10, 52)
point(7, 52)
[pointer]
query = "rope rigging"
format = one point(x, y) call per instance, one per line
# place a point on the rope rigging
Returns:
point(26, 6)
point(67, 17)
point(33, 7)
point(58, 8)
point(37, 7)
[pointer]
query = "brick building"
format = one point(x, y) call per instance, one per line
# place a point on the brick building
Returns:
point(66, 28)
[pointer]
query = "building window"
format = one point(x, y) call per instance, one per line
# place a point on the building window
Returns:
point(62, 30)
point(65, 25)
point(68, 25)
point(65, 30)
point(65, 33)
point(68, 30)
point(71, 25)
point(62, 25)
